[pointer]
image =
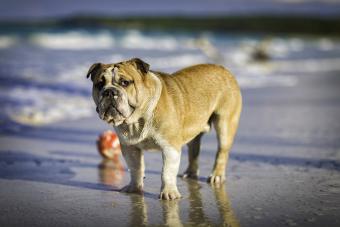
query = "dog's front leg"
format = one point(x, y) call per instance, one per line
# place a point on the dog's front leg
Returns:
point(134, 158)
point(171, 160)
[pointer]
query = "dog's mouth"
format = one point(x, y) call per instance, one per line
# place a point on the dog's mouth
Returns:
point(114, 113)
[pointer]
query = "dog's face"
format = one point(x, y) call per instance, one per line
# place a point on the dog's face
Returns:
point(118, 89)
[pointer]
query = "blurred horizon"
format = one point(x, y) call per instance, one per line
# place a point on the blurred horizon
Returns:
point(16, 10)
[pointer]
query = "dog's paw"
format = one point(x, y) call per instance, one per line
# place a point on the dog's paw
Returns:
point(169, 193)
point(130, 188)
point(189, 174)
point(216, 179)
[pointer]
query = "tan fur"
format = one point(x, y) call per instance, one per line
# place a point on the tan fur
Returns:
point(173, 110)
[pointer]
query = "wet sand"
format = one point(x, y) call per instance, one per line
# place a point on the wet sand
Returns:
point(284, 170)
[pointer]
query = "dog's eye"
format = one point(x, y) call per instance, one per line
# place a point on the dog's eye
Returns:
point(124, 83)
point(100, 85)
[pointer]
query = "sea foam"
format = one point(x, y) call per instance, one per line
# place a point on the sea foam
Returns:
point(73, 40)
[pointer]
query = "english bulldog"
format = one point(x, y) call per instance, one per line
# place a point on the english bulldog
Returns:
point(153, 110)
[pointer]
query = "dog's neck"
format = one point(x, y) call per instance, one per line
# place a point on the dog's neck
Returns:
point(138, 126)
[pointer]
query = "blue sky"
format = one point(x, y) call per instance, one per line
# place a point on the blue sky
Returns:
point(40, 9)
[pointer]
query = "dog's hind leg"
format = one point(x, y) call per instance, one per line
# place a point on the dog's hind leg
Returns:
point(226, 127)
point(193, 150)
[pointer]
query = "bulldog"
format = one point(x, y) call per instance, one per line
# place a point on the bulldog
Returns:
point(152, 110)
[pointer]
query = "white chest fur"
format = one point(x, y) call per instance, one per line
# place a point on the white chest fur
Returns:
point(142, 136)
point(133, 134)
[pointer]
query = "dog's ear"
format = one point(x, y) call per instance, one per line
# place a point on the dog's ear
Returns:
point(141, 65)
point(92, 70)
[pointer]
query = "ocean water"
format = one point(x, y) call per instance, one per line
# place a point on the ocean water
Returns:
point(42, 71)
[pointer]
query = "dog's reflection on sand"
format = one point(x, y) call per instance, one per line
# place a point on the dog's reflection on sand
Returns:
point(138, 214)
point(224, 206)
point(196, 206)
point(112, 174)
point(171, 213)
point(196, 212)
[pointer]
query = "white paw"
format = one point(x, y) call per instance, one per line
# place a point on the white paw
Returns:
point(169, 193)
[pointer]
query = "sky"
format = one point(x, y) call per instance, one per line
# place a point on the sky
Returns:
point(41, 9)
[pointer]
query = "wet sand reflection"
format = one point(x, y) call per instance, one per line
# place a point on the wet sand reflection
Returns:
point(224, 206)
point(196, 212)
point(199, 211)
point(197, 215)
point(139, 211)
point(171, 213)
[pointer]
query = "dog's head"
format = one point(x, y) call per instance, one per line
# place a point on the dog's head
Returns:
point(119, 89)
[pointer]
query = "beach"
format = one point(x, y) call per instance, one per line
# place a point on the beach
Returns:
point(283, 169)
point(284, 166)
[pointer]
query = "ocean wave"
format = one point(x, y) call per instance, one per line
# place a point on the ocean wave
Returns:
point(134, 39)
point(176, 61)
point(43, 106)
point(73, 40)
point(255, 81)
point(129, 39)
point(308, 65)
point(326, 44)
point(7, 41)
point(281, 47)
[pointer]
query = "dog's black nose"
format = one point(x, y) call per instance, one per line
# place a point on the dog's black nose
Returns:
point(110, 92)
